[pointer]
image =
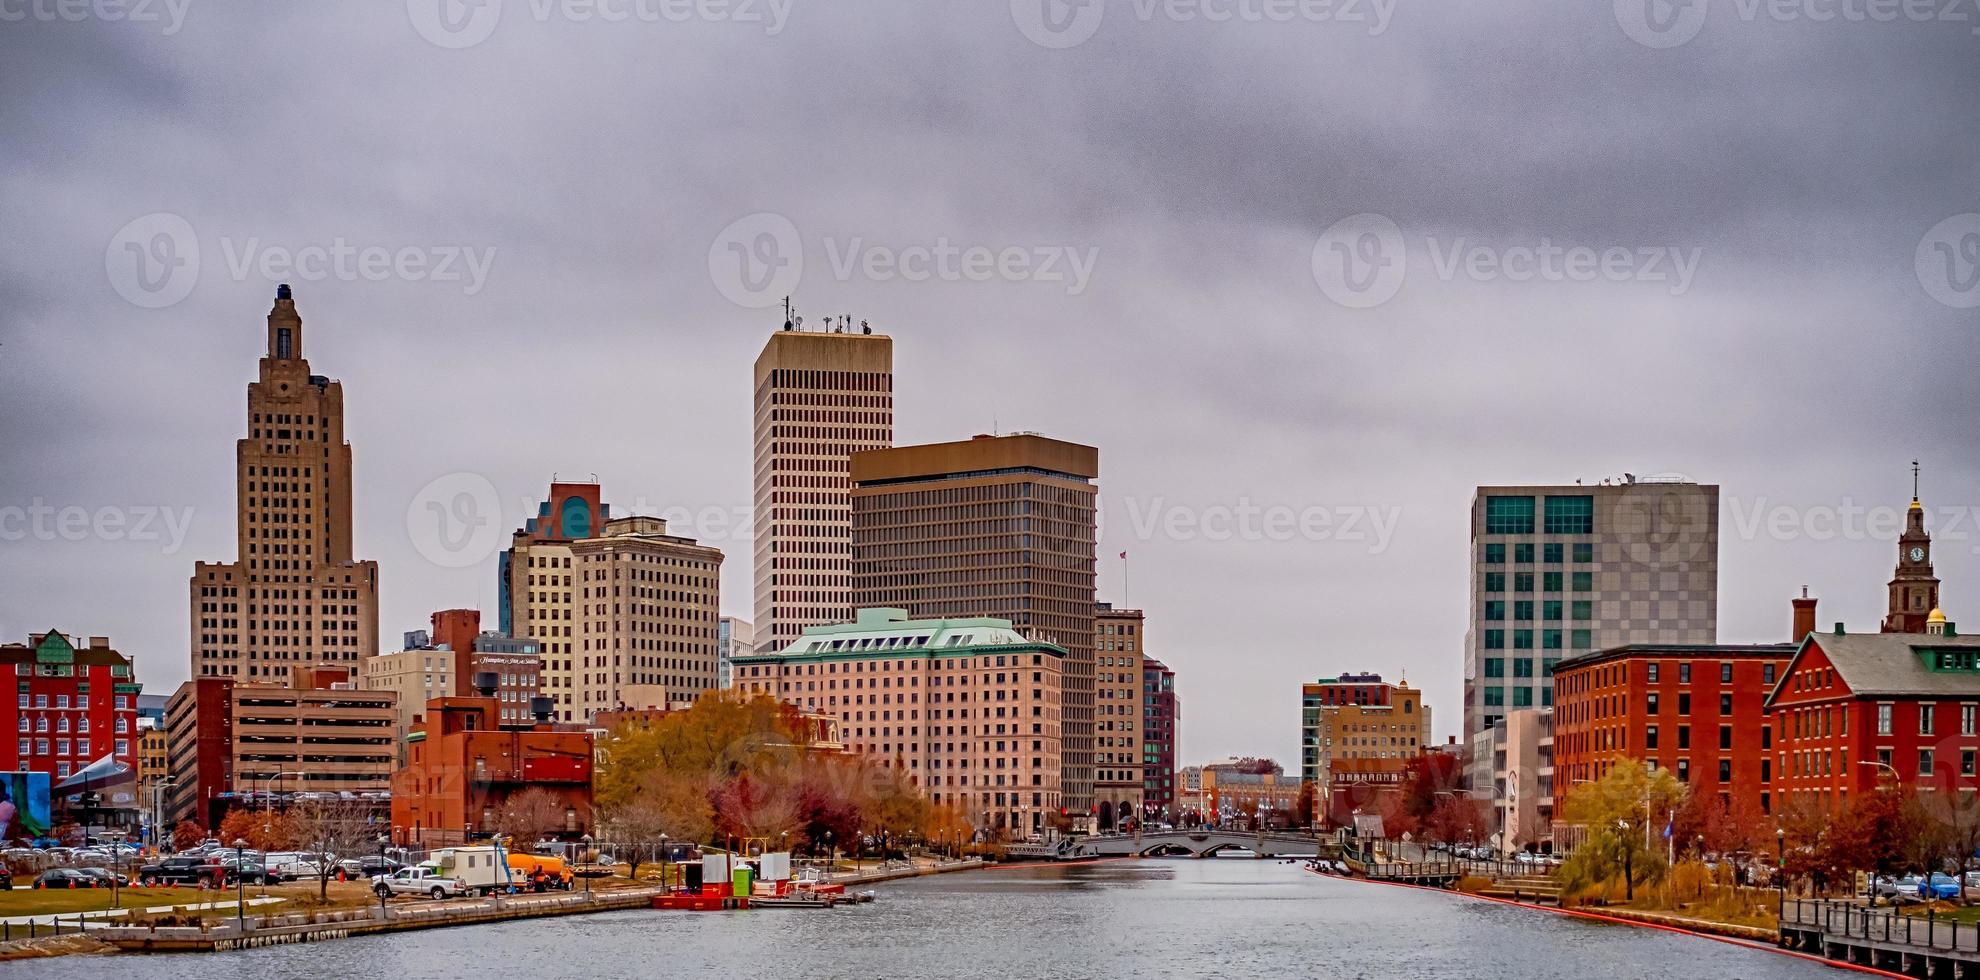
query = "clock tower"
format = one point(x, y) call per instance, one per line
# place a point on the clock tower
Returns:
point(1914, 589)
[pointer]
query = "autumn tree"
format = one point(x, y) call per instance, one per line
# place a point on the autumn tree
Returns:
point(187, 835)
point(261, 830)
point(1615, 811)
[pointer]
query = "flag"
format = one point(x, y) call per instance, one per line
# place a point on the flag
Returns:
point(1123, 554)
point(1667, 827)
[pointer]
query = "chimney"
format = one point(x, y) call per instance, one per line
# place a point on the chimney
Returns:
point(1804, 616)
point(1839, 630)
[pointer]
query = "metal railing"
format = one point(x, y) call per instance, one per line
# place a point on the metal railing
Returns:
point(1845, 921)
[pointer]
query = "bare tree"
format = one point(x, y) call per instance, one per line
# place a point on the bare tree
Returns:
point(526, 816)
point(634, 825)
point(329, 830)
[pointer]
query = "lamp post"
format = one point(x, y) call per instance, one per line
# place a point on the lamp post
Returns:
point(380, 886)
point(664, 888)
point(240, 889)
point(1780, 847)
point(1870, 888)
point(831, 854)
point(586, 841)
point(116, 842)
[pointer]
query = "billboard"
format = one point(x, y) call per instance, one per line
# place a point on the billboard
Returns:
point(26, 805)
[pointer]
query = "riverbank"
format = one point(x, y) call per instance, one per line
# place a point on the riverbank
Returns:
point(255, 931)
point(1744, 936)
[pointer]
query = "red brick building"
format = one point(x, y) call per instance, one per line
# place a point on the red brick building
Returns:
point(462, 768)
point(1854, 708)
point(1699, 710)
point(73, 706)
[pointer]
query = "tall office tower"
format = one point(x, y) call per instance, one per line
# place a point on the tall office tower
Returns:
point(296, 597)
point(820, 397)
point(1560, 570)
point(647, 605)
point(535, 583)
point(1160, 720)
point(1118, 644)
point(998, 526)
point(736, 638)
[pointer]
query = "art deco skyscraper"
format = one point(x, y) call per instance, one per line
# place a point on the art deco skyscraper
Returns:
point(296, 597)
point(820, 397)
point(997, 526)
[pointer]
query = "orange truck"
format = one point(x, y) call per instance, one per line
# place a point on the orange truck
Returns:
point(539, 872)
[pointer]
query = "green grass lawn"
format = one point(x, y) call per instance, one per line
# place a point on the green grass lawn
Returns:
point(1945, 912)
point(31, 901)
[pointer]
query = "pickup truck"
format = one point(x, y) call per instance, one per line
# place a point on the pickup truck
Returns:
point(183, 871)
point(419, 880)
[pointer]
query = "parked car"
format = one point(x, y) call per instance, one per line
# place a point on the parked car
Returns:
point(250, 873)
point(63, 878)
point(185, 869)
point(104, 877)
point(369, 866)
point(1939, 886)
point(6, 878)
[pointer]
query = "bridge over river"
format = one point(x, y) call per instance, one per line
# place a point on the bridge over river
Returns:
point(1195, 843)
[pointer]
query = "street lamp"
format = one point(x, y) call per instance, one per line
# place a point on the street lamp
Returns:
point(664, 889)
point(240, 889)
point(586, 841)
point(1871, 887)
point(380, 886)
point(116, 841)
point(1780, 846)
point(831, 854)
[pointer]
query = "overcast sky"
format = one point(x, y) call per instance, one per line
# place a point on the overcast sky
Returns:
point(1320, 261)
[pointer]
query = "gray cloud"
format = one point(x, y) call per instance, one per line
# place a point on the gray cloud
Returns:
point(1803, 366)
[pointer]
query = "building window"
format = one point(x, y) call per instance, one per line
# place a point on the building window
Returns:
point(1583, 610)
point(1495, 581)
point(1523, 610)
point(1523, 667)
point(1725, 736)
point(1684, 736)
point(1767, 674)
point(1495, 667)
point(1925, 712)
point(1884, 719)
point(1650, 671)
point(1550, 582)
point(1495, 610)
point(1552, 553)
point(1684, 673)
point(1522, 639)
point(1650, 703)
point(1725, 770)
point(1684, 704)
point(1966, 719)
point(1550, 610)
point(1495, 697)
point(1584, 552)
point(1725, 704)
point(1550, 639)
point(1650, 737)
point(1523, 554)
point(1581, 639)
point(1966, 762)
point(1508, 515)
point(1522, 697)
point(1582, 581)
point(1495, 553)
point(1924, 762)
point(1571, 515)
point(1725, 673)
point(1495, 639)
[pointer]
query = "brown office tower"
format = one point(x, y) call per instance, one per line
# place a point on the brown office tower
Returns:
point(1118, 645)
point(1000, 527)
point(296, 597)
point(820, 397)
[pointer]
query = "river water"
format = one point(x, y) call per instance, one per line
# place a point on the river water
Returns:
point(1175, 918)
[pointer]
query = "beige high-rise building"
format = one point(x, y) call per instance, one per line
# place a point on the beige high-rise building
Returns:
point(648, 603)
point(1118, 645)
point(820, 397)
point(415, 677)
point(967, 708)
point(296, 597)
point(536, 580)
point(1000, 526)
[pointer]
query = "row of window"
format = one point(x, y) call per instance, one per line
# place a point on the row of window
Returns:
point(1563, 514)
point(1552, 553)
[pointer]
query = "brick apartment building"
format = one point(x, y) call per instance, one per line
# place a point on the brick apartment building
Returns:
point(73, 706)
point(1161, 718)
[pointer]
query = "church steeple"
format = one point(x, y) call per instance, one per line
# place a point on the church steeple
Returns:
point(1914, 590)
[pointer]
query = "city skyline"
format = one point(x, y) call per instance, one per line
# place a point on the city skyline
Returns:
point(1183, 177)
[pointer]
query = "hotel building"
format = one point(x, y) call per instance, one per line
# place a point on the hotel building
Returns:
point(998, 526)
point(537, 594)
point(1118, 641)
point(968, 708)
point(647, 603)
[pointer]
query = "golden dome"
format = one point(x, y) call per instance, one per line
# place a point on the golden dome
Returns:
point(1937, 616)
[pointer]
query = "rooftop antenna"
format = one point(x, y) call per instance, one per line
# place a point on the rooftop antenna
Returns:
point(788, 322)
point(1914, 479)
point(864, 328)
